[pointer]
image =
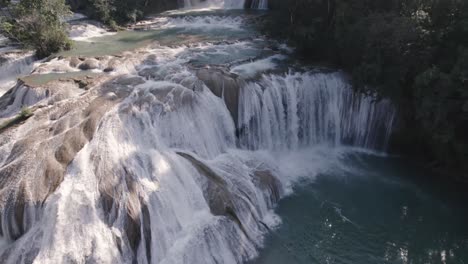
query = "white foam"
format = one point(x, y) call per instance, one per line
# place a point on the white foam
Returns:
point(229, 4)
point(17, 64)
point(205, 23)
point(304, 109)
point(251, 69)
point(86, 32)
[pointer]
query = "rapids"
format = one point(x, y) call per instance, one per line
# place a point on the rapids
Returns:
point(171, 143)
point(13, 64)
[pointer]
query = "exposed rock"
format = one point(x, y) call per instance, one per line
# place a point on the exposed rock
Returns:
point(74, 62)
point(267, 181)
point(150, 73)
point(112, 65)
point(20, 96)
point(89, 64)
point(224, 200)
point(150, 60)
point(39, 154)
point(129, 81)
point(216, 193)
point(54, 67)
point(224, 85)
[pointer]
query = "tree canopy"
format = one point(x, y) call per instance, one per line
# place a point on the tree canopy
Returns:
point(36, 24)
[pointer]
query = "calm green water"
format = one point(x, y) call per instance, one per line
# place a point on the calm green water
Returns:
point(173, 32)
point(378, 211)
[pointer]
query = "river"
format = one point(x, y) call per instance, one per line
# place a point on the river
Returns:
point(193, 138)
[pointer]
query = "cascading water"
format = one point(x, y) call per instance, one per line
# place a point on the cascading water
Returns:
point(294, 110)
point(259, 4)
point(177, 160)
point(14, 65)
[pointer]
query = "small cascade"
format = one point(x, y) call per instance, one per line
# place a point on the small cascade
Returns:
point(259, 4)
point(305, 109)
point(14, 65)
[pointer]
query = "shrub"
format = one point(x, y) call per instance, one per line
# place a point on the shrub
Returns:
point(37, 24)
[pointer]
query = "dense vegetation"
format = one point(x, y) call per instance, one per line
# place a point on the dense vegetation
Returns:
point(39, 24)
point(36, 24)
point(412, 51)
point(119, 12)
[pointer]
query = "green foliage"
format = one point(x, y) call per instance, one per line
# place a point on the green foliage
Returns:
point(37, 24)
point(25, 112)
point(120, 12)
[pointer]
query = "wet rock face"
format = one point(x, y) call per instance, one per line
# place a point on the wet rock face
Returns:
point(268, 182)
point(218, 196)
point(74, 62)
point(224, 85)
point(39, 152)
point(221, 200)
point(20, 96)
point(150, 73)
point(230, 201)
point(112, 65)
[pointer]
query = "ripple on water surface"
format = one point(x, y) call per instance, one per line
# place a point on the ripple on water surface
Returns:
point(370, 214)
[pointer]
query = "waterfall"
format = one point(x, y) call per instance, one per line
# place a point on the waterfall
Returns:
point(308, 109)
point(13, 66)
point(178, 156)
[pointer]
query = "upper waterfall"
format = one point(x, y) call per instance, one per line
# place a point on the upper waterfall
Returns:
point(300, 110)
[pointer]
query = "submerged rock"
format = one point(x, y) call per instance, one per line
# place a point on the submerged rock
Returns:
point(150, 73)
point(267, 181)
point(90, 64)
point(74, 62)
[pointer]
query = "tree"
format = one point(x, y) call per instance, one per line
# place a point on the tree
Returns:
point(37, 24)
